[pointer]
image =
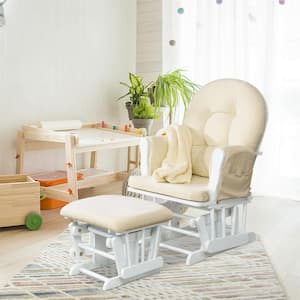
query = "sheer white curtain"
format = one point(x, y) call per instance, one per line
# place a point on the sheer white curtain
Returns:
point(257, 41)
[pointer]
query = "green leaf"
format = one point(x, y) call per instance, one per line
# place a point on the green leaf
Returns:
point(125, 84)
point(133, 79)
point(123, 96)
point(172, 88)
point(144, 110)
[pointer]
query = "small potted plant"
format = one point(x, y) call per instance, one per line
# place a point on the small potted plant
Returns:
point(136, 90)
point(169, 88)
point(143, 114)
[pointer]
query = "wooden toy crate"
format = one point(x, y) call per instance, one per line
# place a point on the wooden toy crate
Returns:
point(19, 196)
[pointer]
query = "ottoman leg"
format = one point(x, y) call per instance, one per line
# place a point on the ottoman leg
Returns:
point(135, 254)
point(133, 258)
point(99, 242)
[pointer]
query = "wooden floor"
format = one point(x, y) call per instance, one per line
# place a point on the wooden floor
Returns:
point(19, 246)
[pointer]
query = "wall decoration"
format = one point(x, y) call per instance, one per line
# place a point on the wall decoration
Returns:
point(180, 10)
point(172, 42)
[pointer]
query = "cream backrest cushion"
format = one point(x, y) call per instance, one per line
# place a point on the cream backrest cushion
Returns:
point(225, 112)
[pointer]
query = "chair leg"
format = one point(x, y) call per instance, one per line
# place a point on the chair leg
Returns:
point(237, 235)
point(204, 233)
point(229, 242)
point(218, 230)
point(195, 257)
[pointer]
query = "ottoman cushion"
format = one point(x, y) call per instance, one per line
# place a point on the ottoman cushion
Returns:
point(117, 213)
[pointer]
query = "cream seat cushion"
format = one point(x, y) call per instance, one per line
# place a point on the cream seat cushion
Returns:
point(117, 213)
point(196, 190)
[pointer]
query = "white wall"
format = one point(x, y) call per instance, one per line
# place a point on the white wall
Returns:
point(149, 47)
point(62, 59)
point(149, 39)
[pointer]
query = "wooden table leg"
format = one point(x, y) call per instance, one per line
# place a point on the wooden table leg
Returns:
point(71, 167)
point(93, 160)
point(136, 161)
point(20, 152)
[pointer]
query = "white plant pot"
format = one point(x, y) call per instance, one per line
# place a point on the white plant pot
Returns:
point(143, 123)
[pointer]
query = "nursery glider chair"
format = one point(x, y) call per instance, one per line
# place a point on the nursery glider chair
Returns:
point(226, 120)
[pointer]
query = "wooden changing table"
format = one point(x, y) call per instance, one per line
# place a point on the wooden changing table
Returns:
point(89, 138)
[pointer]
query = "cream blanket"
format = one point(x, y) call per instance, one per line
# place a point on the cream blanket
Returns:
point(177, 166)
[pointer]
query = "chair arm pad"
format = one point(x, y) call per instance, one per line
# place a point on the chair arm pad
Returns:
point(153, 151)
point(236, 172)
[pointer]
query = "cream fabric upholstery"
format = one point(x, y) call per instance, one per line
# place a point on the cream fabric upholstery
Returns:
point(196, 190)
point(234, 182)
point(223, 113)
point(117, 213)
point(177, 165)
point(228, 114)
point(235, 179)
point(236, 172)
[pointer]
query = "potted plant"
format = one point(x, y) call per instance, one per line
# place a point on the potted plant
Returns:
point(136, 90)
point(144, 113)
point(169, 88)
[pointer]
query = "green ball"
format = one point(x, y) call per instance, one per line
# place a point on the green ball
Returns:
point(33, 221)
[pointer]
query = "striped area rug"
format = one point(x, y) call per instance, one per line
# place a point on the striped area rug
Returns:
point(242, 273)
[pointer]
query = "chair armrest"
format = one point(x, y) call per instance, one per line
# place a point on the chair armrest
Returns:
point(231, 172)
point(153, 151)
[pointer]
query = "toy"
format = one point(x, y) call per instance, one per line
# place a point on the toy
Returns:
point(126, 129)
point(33, 221)
point(19, 197)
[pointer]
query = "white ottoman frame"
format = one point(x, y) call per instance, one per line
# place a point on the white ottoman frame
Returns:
point(134, 252)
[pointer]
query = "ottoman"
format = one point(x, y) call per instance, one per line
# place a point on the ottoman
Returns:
point(123, 230)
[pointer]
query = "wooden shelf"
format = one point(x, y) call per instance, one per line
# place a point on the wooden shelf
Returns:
point(91, 178)
point(88, 139)
point(95, 177)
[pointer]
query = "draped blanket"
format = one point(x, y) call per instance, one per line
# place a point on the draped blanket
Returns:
point(177, 166)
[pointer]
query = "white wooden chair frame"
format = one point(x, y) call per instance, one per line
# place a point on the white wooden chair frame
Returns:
point(134, 252)
point(222, 227)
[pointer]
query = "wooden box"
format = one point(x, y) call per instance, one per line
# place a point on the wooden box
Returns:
point(19, 196)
